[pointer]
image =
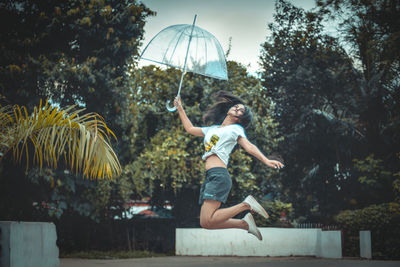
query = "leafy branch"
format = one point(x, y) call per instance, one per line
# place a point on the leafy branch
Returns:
point(82, 140)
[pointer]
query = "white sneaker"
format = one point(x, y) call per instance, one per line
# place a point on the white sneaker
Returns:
point(252, 226)
point(255, 206)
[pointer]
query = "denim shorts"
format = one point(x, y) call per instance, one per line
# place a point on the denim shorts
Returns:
point(217, 185)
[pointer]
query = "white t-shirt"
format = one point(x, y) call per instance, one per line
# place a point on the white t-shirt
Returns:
point(221, 140)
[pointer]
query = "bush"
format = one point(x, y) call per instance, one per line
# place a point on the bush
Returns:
point(384, 223)
point(279, 213)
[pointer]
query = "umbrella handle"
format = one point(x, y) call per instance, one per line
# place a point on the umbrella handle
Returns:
point(170, 109)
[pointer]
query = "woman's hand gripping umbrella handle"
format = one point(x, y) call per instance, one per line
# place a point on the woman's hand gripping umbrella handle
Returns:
point(172, 109)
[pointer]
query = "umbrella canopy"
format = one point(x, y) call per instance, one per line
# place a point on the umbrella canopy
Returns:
point(204, 53)
point(189, 48)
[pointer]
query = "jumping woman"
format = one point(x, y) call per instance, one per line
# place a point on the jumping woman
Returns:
point(227, 118)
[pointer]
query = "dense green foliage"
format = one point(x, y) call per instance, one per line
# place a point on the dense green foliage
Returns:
point(382, 220)
point(72, 52)
point(280, 214)
point(337, 103)
point(312, 81)
point(328, 110)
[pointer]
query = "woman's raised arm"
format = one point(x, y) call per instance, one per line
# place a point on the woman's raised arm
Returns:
point(254, 151)
point(187, 124)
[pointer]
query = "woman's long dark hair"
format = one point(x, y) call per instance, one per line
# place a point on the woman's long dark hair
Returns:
point(217, 112)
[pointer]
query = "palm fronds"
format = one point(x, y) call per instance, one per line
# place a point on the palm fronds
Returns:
point(81, 140)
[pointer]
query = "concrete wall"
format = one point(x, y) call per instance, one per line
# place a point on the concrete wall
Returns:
point(329, 244)
point(276, 242)
point(365, 244)
point(28, 244)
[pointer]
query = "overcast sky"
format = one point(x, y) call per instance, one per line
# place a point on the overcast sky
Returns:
point(244, 20)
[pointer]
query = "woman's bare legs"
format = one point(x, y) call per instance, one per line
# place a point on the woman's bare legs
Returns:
point(211, 217)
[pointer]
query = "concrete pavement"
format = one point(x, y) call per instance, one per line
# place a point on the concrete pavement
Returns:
point(186, 261)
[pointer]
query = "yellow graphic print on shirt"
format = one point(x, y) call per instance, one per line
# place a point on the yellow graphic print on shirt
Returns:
point(213, 141)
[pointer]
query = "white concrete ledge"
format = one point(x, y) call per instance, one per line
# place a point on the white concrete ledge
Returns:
point(28, 244)
point(276, 242)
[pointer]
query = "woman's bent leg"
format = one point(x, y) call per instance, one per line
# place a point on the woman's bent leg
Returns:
point(211, 217)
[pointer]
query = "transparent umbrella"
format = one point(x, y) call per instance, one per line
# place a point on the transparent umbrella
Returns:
point(188, 48)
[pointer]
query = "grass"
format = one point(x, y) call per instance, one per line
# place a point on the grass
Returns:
point(113, 254)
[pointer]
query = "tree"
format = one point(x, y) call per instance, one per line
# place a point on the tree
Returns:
point(311, 79)
point(74, 51)
point(371, 31)
point(71, 52)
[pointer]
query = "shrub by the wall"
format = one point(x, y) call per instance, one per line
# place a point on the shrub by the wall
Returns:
point(382, 220)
